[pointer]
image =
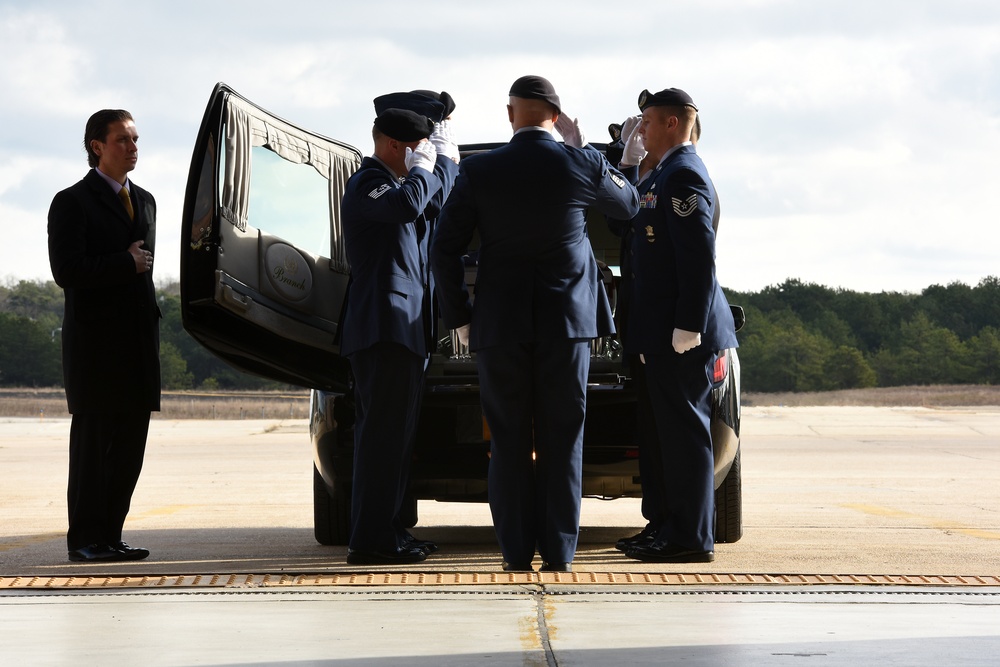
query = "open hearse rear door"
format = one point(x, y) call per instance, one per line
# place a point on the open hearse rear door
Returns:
point(263, 265)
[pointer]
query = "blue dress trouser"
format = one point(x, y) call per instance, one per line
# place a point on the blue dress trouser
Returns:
point(680, 395)
point(534, 398)
point(388, 381)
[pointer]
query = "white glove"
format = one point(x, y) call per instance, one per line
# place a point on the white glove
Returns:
point(463, 334)
point(444, 141)
point(635, 149)
point(424, 157)
point(685, 340)
point(570, 130)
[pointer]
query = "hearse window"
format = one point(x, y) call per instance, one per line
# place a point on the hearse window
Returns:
point(290, 201)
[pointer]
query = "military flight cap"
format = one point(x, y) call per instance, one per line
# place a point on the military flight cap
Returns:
point(535, 88)
point(671, 97)
point(404, 125)
point(417, 101)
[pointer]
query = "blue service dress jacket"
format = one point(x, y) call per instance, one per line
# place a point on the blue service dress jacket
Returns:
point(387, 227)
point(537, 276)
point(673, 280)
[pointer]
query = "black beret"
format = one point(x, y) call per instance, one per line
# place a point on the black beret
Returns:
point(671, 97)
point(415, 101)
point(536, 88)
point(404, 125)
point(442, 97)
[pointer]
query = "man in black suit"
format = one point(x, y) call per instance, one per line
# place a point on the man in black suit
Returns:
point(101, 239)
point(678, 322)
point(388, 209)
point(538, 303)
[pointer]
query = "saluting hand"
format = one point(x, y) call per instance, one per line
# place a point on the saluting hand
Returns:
point(635, 148)
point(570, 130)
point(424, 156)
point(444, 141)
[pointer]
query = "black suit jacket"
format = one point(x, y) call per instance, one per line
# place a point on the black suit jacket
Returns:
point(110, 331)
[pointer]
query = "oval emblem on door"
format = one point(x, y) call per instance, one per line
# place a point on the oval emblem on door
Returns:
point(288, 271)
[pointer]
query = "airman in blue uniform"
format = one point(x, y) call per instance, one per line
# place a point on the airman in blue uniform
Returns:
point(538, 303)
point(388, 209)
point(678, 322)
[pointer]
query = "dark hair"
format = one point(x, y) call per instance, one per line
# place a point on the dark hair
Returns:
point(97, 128)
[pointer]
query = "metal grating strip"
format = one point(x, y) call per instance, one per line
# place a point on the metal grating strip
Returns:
point(481, 578)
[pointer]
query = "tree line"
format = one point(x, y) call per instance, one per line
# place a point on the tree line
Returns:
point(806, 337)
point(798, 337)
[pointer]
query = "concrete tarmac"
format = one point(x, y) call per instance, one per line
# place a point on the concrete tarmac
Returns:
point(901, 501)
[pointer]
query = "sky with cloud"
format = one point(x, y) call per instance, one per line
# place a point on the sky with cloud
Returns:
point(853, 144)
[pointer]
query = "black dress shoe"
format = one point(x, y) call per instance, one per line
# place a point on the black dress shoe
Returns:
point(130, 553)
point(556, 567)
point(646, 536)
point(94, 553)
point(517, 567)
point(397, 557)
point(662, 552)
point(426, 546)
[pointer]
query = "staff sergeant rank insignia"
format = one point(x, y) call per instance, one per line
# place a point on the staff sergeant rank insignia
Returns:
point(379, 191)
point(617, 180)
point(686, 207)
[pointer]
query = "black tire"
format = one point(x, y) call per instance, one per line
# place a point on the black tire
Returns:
point(729, 505)
point(331, 512)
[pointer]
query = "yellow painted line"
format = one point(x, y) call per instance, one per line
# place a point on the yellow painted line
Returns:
point(937, 524)
point(419, 579)
point(28, 541)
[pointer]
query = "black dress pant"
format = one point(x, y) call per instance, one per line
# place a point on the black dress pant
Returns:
point(105, 459)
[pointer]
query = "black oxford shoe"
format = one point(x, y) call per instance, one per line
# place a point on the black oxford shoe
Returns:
point(516, 567)
point(556, 567)
point(426, 546)
point(646, 536)
point(130, 553)
point(397, 557)
point(94, 553)
point(662, 552)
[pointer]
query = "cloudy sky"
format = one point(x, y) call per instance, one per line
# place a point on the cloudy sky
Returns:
point(854, 144)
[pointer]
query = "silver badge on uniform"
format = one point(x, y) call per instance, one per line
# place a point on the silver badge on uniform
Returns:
point(650, 236)
point(686, 207)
